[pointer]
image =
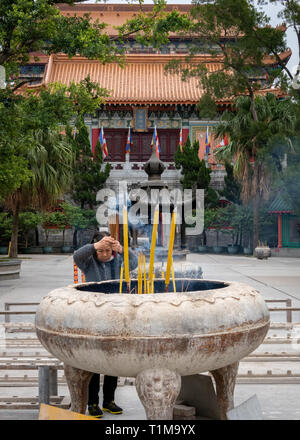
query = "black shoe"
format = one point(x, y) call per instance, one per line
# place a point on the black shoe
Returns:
point(111, 407)
point(95, 411)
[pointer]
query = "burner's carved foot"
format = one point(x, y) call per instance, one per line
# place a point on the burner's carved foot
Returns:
point(225, 379)
point(78, 383)
point(158, 390)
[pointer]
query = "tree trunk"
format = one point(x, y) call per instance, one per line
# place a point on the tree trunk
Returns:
point(256, 203)
point(13, 252)
point(255, 221)
point(75, 242)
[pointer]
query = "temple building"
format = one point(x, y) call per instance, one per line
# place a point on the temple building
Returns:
point(142, 96)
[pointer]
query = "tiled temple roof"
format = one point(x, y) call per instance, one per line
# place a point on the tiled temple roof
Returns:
point(139, 81)
point(143, 80)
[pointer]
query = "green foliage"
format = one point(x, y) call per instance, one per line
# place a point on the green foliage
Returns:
point(238, 32)
point(207, 108)
point(79, 218)
point(232, 188)
point(256, 140)
point(194, 171)
point(5, 227)
point(37, 26)
point(14, 143)
point(88, 178)
point(290, 15)
point(27, 222)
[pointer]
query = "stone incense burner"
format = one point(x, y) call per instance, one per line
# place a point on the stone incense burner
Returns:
point(156, 338)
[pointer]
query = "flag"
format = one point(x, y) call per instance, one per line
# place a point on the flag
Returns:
point(155, 142)
point(129, 142)
point(223, 142)
point(207, 141)
point(102, 141)
point(181, 141)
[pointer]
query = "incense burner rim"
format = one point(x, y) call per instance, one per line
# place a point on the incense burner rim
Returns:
point(71, 294)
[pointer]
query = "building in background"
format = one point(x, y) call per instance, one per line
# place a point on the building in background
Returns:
point(142, 96)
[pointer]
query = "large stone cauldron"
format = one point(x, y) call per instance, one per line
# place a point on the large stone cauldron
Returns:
point(156, 338)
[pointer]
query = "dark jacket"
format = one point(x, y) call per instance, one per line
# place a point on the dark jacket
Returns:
point(95, 270)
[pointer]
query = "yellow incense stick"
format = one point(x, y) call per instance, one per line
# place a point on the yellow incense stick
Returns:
point(170, 251)
point(173, 278)
point(121, 278)
point(144, 266)
point(140, 280)
point(152, 284)
point(125, 240)
point(163, 275)
point(153, 243)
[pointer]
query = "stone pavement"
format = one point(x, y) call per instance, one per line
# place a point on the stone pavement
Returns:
point(275, 278)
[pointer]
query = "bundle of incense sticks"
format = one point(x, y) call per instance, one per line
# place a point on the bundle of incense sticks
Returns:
point(142, 276)
point(170, 250)
point(113, 221)
point(152, 250)
point(141, 273)
point(125, 243)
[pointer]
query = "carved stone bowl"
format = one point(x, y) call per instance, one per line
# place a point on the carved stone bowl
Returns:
point(207, 326)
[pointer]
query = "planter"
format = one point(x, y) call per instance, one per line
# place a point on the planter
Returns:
point(232, 249)
point(202, 249)
point(217, 249)
point(66, 249)
point(247, 251)
point(47, 249)
point(262, 252)
point(10, 269)
point(3, 250)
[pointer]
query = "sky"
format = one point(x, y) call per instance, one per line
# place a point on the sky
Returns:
point(270, 10)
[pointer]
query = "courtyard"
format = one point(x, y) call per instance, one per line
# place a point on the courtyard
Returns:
point(274, 381)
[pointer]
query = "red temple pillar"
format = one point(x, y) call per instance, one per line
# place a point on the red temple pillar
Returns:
point(95, 137)
point(185, 134)
point(280, 230)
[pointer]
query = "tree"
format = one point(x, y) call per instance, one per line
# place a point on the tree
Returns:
point(28, 27)
point(5, 228)
point(49, 154)
point(252, 143)
point(27, 222)
point(237, 37)
point(14, 143)
point(290, 14)
point(50, 159)
point(232, 188)
point(32, 26)
point(88, 177)
point(194, 171)
point(79, 219)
